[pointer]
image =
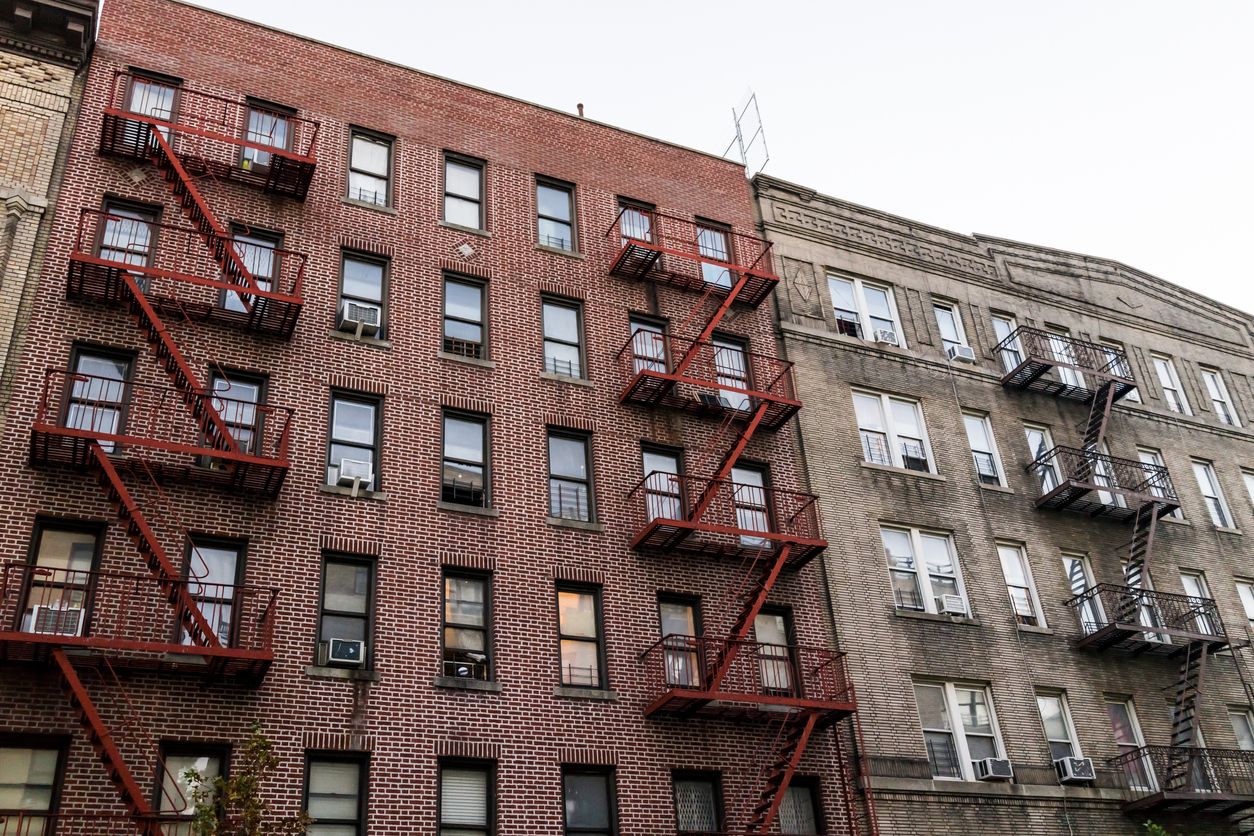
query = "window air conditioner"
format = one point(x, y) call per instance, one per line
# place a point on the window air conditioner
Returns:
point(56, 621)
point(951, 605)
point(961, 354)
point(354, 473)
point(1074, 770)
point(360, 318)
point(349, 653)
point(884, 336)
point(994, 769)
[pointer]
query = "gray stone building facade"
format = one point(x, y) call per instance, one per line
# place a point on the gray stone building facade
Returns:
point(995, 538)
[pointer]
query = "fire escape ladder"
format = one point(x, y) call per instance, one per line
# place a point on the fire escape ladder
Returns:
point(1144, 525)
point(141, 534)
point(133, 798)
point(1184, 732)
point(851, 757)
point(1099, 416)
point(793, 737)
point(751, 600)
point(719, 480)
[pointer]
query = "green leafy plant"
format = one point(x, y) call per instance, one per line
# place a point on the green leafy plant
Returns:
point(236, 805)
point(1155, 829)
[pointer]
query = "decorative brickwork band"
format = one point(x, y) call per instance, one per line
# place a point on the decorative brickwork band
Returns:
point(365, 245)
point(578, 574)
point(358, 384)
point(594, 757)
point(476, 749)
point(570, 422)
point(466, 404)
point(331, 741)
point(349, 545)
point(559, 289)
point(465, 268)
point(481, 562)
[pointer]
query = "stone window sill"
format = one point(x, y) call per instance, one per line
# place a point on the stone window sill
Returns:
point(366, 204)
point(1042, 631)
point(353, 338)
point(578, 525)
point(458, 508)
point(482, 233)
point(327, 672)
point(560, 251)
point(469, 361)
point(997, 488)
point(1174, 521)
point(1224, 529)
point(377, 496)
point(585, 693)
point(463, 684)
point(562, 378)
point(931, 616)
point(903, 471)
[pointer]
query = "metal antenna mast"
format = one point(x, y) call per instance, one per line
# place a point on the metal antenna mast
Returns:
point(750, 138)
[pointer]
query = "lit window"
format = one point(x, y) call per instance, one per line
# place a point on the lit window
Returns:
point(1173, 393)
point(589, 801)
point(555, 214)
point(865, 310)
point(932, 585)
point(949, 320)
point(335, 795)
point(464, 331)
point(563, 337)
point(1219, 397)
point(370, 168)
point(958, 727)
point(570, 477)
point(466, 799)
point(1059, 732)
point(983, 448)
point(467, 654)
point(353, 451)
point(892, 431)
point(463, 191)
point(579, 636)
point(1212, 494)
point(465, 470)
point(1019, 584)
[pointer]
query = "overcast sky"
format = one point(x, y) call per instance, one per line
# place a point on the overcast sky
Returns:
point(1117, 128)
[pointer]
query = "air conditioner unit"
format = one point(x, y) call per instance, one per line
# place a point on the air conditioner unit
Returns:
point(360, 318)
point(710, 400)
point(951, 605)
point(1074, 770)
point(353, 473)
point(961, 354)
point(994, 769)
point(884, 336)
point(56, 621)
point(346, 652)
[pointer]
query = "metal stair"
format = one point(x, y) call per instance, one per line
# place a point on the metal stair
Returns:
point(794, 734)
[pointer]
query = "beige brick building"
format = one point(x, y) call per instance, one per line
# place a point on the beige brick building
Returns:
point(43, 47)
point(980, 511)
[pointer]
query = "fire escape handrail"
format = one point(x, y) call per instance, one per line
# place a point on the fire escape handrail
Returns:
point(1172, 609)
point(670, 233)
point(765, 498)
point(1065, 350)
point(1077, 464)
point(762, 372)
point(1196, 769)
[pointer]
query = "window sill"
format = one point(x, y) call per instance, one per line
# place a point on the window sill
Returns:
point(482, 233)
point(1174, 521)
point(353, 338)
point(377, 496)
point(578, 525)
point(559, 251)
point(565, 378)
point(1040, 631)
point(904, 471)
point(997, 488)
point(469, 361)
point(365, 204)
point(585, 693)
point(327, 672)
point(462, 684)
point(931, 616)
point(1223, 529)
point(458, 508)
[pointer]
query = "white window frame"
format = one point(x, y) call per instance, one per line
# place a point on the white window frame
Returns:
point(864, 316)
point(1034, 600)
point(993, 452)
point(1245, 593)
point(1048, 437)
point(1202, 622)
point(1011, 325)
point(956, 729)
point(1138, 739)
point(1247, 717)
point(889, 430)
point(1063, 354)
point(1091, 614)
point(1072, 738)
point(1154, 456)
point(954, 311)
point(1247, 478)
point(1220, 400)
point(1169, 381)
point(923, 578)
point(1212, 476)
point(1134, 396)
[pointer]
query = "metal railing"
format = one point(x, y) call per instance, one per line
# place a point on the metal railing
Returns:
point(711, 365)
point(1108, 473)
point(118, 412)
point(690, 239)
point(1105, 604)
point(569, 501)
point(735, 511)
point(129, 608)
point(32, 823)
point(758, 671)
point(1186, 769)
point(1040, 346)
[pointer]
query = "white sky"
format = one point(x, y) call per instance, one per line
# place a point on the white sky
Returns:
point(1117, 128)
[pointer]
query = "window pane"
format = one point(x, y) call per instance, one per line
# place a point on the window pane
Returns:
point(463, 439)
point(877, 303)
point(677, 618)
point(462, 180)
point(561, 322)
point(588, 801)
point(464, 797)
point(176, 790)
point(333, 789)
point(898, 548)
point(568, 457)
point(1012, 565)
point(465, 600)
point(932, 711)
point(936, 556)
point(363, 279)
point(349, 628)
point(1243, 729)
point(353, 421)
point(553, 202)
point(842, 294)
point(869, 410)
point(576, 612)
point(796, 814)
point(461, 211)
point(906, 418)
point(580, 663)
point(346, 587)
point(1052, 718)
point(973, 709)
point(464, 301)
point(696, 806)
point(555, 234)
point(370, 156)
point(977, 433)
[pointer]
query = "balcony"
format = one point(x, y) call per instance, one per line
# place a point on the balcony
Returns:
point(1142, 620)
point(761, 678)
point(265, 147)
point(1100, 485)
point(651, 246)
point(1063, 366)
point(717, 379)
point(93, 824)
point(129, 618)
point(177, 270)
point(1186, 779)
point(153, 427)
point(739, 521)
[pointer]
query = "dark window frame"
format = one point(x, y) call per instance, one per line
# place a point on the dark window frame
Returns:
point(610, 775)
point(487, 766)
point(589, 483)
point(57, 742)
point(597, 593)
point(644, 207)
point(168, 748)
point(160, 79)
point(486, 579)
point(580, 344)
point(729, 240)
point(385, 265)
point(372, 570)
point(376, 447)
point(362, 760)
point(571, 190)
point(381, 138)
point(97, 529)
point(195, 539)
point(680, 466)
point(482, 201)
point(485, 422)
point(270, 236)
point(77, 350)
point(815, 784)
point(153, 213)
point(261, 380)
point(713, 777)
point(253, 105)
point(481, 351)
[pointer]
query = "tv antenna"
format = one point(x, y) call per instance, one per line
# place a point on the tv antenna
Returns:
point(750, 139)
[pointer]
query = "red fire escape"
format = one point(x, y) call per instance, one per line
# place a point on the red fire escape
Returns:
point(138, 439)
point(763, 530)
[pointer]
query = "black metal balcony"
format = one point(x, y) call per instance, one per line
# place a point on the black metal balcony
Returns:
point(1186, 779)
point(1142, 620)
point(1061, 365)
point(1101, 485)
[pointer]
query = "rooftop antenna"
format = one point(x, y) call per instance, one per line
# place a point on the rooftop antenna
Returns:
point(750, 139)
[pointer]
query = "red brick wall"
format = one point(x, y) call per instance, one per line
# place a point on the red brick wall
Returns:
point(403, 714)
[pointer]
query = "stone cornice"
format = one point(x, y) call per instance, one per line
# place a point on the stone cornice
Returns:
point(18, 202)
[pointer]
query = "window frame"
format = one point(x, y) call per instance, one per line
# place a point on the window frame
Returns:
point(956, 729)
point(362, 760)
point(41, 742)
point(923, 578)
point(257, 238)
point(1073, 740)
point(1219, 395)
point(1156, 459)
point(372, 569)
point(955, 312)
point(483, 351)
point(1047, 439)
point(542, 180)
point(44, 524)
point(481, 202)
point(596, 592)
point(993, 453)
point(168, 748)
point(546, 301)
point(1247, 717)
point(486, 579)
point(1138, 738)
point(588, 483)
point(863, 310)
point(896, 458)
point(254, 105)
point(194, 542)
point(376, 447)
point(377, 137)
point(1012, 324)
point(385, 265)
point(489, 768)
point(609, 773)
point(712, 777)
point(1227, 521)
point(1134, 394)
point(77, 352)
point(1034, 599)
point(485, 424)
point(815, 785)
point(1246, 600)
point(1172, 384)
point(231, 376)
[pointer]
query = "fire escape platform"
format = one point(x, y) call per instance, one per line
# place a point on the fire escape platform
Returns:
point(650, 388)
point(1187, 780)
point(1083, 476)
point(1126, 618)
point(700, 539)
point(231, 663)
point(685, 702)
point(1134, 637)
point(1040, 352)
point(1032, 374)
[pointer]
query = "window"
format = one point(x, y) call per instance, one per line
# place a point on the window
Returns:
point(1063, 349)
point(467, 803)
point(1153, 460)
point(361, 294)
point(99, 393)
point(648, 346)
point(29, 771)
point(1247, 478)
point(563, 337)
point(589, 801)
point(714, 242)
point(129, 234)
point(237, 397)
point(958, 727)
point(335, 795)
point(865, 310)
point(465, 470)
point(1117, 363)
point(268, 125)
point(344, 626)
point(680, 624)
point(464, 331)
point(1019, 584)
point(1219, 397)
point(213, 571)
point(1079, 581)
point(1004, 327)
point(1173, 394)
point(1194, 584)
point(753, 513)
point(1127, 733)
point(663, 490)
point(772, 631)
point(570, 477)
point(555, 214)
point(635, 220)
point(463, 191)
point(1041, 442)
point(1212, 494)
point(1245, 591)
point(175, 792)
point(256, 249)
point(933, 587)
point(799, 811)
point(949, 320)
point(1059, 732)
point(158, 98)
point(59, 591)
point(370, 168)
point(579, 637)
point(731, 368)
point(892, 431)
point(983, 449)
point(1242, 728)
point(698, 802)
point(467, 645)
point(353, 454)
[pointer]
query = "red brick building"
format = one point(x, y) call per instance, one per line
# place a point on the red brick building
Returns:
point(341, 388)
